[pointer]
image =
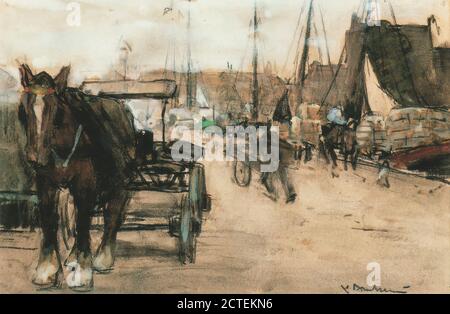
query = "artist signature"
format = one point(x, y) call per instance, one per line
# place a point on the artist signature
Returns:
point(357, 288)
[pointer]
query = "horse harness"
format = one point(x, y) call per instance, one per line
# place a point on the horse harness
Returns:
point(65, 163)
point(58, 160)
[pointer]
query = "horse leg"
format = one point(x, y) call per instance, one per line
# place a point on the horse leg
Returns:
point(355, 158)
point(345, 159)
point(83, 189)
point(114, 215)
point(332, 154)
point(49, 269)
point(322, 151)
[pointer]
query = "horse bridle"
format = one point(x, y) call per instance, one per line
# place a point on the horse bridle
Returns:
point(51, 91)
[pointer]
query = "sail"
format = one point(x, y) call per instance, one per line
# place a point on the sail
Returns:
point(408, 68)
point(282, 112)
point(202, 102)
point(378, 100)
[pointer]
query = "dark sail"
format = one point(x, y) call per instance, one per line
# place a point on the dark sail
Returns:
point(407, 66)
point(282, 112)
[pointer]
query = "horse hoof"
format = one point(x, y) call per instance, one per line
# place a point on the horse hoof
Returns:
point(48, 274)
point(104, 261)
point(52, 282)
point(81, 275)
point(80, 279)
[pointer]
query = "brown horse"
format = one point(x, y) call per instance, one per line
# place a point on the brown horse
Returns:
point(329, 140)
point(342, 137)
point(350, 145)
point(67, 150)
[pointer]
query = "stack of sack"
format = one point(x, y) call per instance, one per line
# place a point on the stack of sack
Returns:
point(414, 127)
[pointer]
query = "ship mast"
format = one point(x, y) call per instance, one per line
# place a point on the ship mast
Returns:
point(255, 87)
point(301, 75)
point(189, 62)
point(326, 42)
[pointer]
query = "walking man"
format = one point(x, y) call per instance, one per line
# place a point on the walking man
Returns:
point(286, 154)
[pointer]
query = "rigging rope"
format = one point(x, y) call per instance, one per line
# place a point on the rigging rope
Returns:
point(297, 56)
point(326, 40)
point(341, 58)
point(317, 43)
point(294, 36)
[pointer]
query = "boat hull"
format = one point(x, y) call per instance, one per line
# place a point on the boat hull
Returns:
point(415, 157)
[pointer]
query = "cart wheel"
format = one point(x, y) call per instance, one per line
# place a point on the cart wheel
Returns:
point(187, 238)
point(242, 173)
point(198, 191)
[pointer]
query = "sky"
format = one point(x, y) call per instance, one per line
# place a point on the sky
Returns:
point(45, 33)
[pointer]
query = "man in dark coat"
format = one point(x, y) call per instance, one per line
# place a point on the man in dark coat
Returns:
point(286, 156)
point(282, 118)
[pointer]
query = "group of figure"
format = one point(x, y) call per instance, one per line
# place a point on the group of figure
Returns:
point(338, 133)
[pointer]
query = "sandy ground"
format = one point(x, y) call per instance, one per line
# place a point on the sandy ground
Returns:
point(250, 244)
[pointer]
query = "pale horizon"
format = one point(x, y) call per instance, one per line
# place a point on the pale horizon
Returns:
point(37, 32)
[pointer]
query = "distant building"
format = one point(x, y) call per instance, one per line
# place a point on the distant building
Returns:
point(226, 91)
point(8, 87)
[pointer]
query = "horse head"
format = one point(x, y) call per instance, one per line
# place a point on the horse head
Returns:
point(38, 109)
